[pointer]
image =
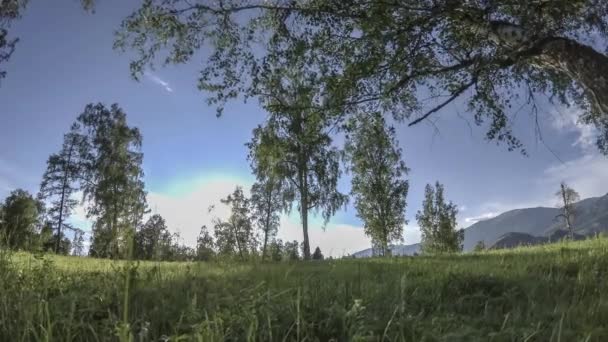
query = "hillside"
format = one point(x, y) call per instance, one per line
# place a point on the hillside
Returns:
point(592, 216)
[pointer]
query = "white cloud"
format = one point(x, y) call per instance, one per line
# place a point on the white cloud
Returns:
point(587, 175)
point(156, 79)
point(567, 119)
point(481, 217)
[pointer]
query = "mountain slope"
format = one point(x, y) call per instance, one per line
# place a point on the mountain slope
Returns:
point(591, 217)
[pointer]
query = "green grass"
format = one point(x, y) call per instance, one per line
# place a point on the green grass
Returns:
point(551, 293)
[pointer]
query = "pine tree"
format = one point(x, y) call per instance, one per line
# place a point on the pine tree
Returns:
point(78, 243)
point(60, 181)
point(437, 221)
point(378, 182)
point(113, 183)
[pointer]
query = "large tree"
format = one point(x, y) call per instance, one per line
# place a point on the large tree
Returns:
point(378, 182)
point(437, 221)
point(60, 181)
point(295, 147)
point(494, 55)
point(21, 215)
point(567, 198)
point(113, 184)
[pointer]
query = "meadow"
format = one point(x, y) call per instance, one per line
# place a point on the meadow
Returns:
point(549, 293)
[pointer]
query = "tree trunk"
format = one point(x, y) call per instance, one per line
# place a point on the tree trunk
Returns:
point(567, 211)
point(64, 184)
point(304, 212)
point(584, 65)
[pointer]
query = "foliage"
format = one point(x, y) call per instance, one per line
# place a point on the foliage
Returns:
point(149, 237)
point(10, 10)
point(545, 293)
point(480, 246)
point(291, 251)
point(205, 247)
point(317, 255)
point(78, 243)
point(47, 241)
point(567, 198)
point(267, 203)
point(495, 56)
point(235, 236)
point(378, 183)
point(60, 181)
point(294, 147)
point(21, 216)
point(113, 184)
point(437, 222)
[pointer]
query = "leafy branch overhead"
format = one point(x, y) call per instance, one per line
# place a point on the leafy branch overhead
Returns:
point(494, 56)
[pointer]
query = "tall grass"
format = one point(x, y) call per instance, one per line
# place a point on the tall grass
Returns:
point(548, 293)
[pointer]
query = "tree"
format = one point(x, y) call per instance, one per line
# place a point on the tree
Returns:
point(317, 255)
point(148, 238)
point(494, 55)
point(113, 183)
point(204, 245)
point(78, 243)
point(437, 221)
point(266, 204)
point(480, 246)
point(378, 183)
point(47, 241)
point(21, 216)
point(295, 147)
point(59, 181)
point(276, 250)
point(291, 251)
point(567, 197)
point(235, 235)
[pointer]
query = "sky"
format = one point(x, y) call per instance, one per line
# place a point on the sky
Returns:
point(65, 60)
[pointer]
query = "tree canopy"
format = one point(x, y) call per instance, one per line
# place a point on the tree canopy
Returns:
point(495, 56)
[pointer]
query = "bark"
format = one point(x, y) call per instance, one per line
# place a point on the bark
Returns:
point(62, 200)
point(304, 213)
point(583, 64)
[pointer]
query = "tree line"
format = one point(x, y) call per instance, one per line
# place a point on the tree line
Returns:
point(292, 156)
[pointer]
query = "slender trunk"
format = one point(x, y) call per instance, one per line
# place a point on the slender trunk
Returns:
point(238, 242)
point(64, 184)
point(304, 210)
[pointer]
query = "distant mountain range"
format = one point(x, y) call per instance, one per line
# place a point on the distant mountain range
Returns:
point(526, 227)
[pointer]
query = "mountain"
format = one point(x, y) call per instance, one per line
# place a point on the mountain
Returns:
point(395, 250)
point(525, 227)
point(591, 217)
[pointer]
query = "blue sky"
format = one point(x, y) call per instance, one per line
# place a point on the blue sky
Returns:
point(191, 158)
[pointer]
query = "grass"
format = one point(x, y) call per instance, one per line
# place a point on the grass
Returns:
point(550, 293)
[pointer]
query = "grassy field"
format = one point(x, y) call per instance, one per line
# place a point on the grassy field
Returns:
point(552, 293)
